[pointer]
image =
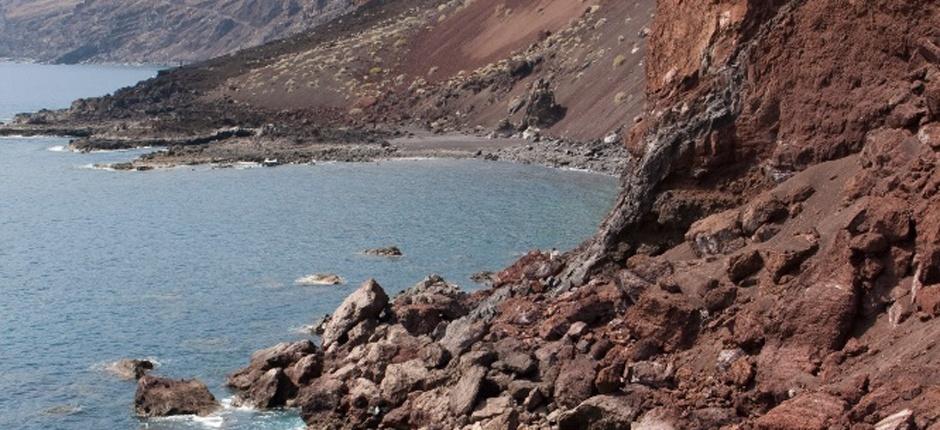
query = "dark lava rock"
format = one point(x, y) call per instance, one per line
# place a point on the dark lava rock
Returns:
point(160, 397)
point(389, 251)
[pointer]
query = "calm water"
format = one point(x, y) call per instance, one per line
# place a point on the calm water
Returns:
point(195, 267)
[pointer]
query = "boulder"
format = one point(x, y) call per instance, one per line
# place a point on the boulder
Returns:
point(301, 362)
point(320, 400)
point(928, 300)
point(464, 395)
point(421, 308)
point(493, 407)
point(717, 234)
point(813, 411)
point(541, 110)
point(902, 420)
point(403, 378)
point(740, 266)
point(160, 397)
point(782, 262)
point(305, 369)
point(321, 279)
point(272, 390)
point(367, 302)
point(599, 413)
point(130, 368)
point(575, 382)
point(461, 334)
point(282, 355)
point(652, 373)
point(761, 211)
point(667, 319)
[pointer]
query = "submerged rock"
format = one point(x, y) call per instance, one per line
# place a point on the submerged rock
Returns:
point(160, 397)
point(321, 279)
point(389, 251)
point(130, 368)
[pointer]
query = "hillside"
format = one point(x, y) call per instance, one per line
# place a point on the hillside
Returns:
point(572, 71)
point(158, 32)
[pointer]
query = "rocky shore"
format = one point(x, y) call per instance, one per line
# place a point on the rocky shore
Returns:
point(772, 263)
point(227, 147)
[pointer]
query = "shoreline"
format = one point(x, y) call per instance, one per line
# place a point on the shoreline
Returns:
point(226, 148)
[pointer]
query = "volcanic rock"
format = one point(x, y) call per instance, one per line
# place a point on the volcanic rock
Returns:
point(389, 251)
point(160, 397)
point(366, 303)
point(599, 413)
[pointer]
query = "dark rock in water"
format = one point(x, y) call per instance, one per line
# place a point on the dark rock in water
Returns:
point(131, 368)
point(160, 397)
point(367, 302)
point(389, 251)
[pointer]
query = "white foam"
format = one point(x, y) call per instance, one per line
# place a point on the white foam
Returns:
point(22, 137)
point(109, 151)
point(210, 421)
point(92, 166)
point(58, 148)
point(241, 165)
point(305, 329)
point(228, 403)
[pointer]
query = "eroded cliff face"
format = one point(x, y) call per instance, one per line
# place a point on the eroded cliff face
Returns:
point(159, 32)
point(772, 263)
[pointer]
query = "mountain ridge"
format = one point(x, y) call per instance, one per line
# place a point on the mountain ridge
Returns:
point(156, 32)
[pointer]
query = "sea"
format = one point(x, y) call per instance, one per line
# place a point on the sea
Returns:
point(195, 267)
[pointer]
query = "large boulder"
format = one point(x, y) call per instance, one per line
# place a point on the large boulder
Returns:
point(160, 397)
point(366, 303)
point(575, 382)
point(599, 413)
point(813, 411)
point(464, 395)
point(274, 374)
point(273, 389)
point(403, 378)
point(541, 109)
point(421, 308)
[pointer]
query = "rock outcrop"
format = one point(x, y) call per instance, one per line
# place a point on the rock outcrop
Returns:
point(160, 397)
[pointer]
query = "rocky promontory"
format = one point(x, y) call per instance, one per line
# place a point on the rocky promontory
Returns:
point(772, 262)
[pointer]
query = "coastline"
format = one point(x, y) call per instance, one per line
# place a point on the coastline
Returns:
point(228, 147)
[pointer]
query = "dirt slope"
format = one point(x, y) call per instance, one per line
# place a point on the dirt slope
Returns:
point(473, 66)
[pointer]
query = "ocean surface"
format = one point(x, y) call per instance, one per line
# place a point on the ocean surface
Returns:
point(195, 267)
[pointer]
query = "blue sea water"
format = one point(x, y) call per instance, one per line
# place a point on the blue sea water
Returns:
point(195, 267)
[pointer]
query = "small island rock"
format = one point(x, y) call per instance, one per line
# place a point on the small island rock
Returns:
point(161, 397)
